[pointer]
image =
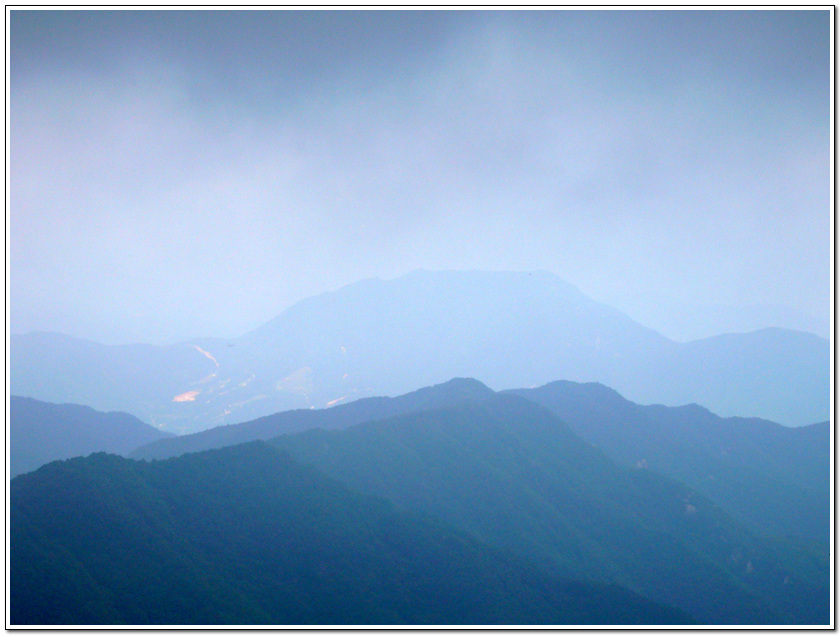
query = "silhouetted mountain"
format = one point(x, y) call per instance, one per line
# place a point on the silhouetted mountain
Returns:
point(245, 535)
point(452, 392)
point(388, 337)
point(773, 478)
point(41, 432)
point(510, 472)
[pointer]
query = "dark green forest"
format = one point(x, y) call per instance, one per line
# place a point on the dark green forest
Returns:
point(246, 535)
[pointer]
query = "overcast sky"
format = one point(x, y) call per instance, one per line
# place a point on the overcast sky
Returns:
point(184, 174)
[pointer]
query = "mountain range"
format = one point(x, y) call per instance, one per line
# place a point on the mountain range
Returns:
point(340, 416)
point(389, 337)
point(511, 473)
point(329, 471)
point(747, 465)
point(511, 517)
point(686, 321)
point(247, 536)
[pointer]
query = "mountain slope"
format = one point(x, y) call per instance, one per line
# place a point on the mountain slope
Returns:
point(246, 536)
point(771, 477)
point(41, 432)
point(511, 473)
point(389, 337)
point(505, 329)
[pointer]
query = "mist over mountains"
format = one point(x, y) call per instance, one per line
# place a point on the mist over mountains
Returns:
point(329, 478)
point(380, 337)
point(231, 405)
point(685, 321)
point(332, 445)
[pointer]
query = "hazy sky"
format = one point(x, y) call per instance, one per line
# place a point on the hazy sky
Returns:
point(181, 174)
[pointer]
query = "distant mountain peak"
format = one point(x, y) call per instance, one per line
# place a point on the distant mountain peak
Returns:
point(390, 337)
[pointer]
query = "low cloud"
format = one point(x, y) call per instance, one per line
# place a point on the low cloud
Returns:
point(497, 146)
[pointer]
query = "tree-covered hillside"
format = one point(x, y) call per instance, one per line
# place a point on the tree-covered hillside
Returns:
point(773, 478)
point(510, 472)
point(245, 535)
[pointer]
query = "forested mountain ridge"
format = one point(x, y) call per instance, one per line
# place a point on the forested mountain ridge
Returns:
point(498, 466)
point(506, 329)
point(245, 535)
point(771, 477)
point(511, 473)
point(41, 432)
